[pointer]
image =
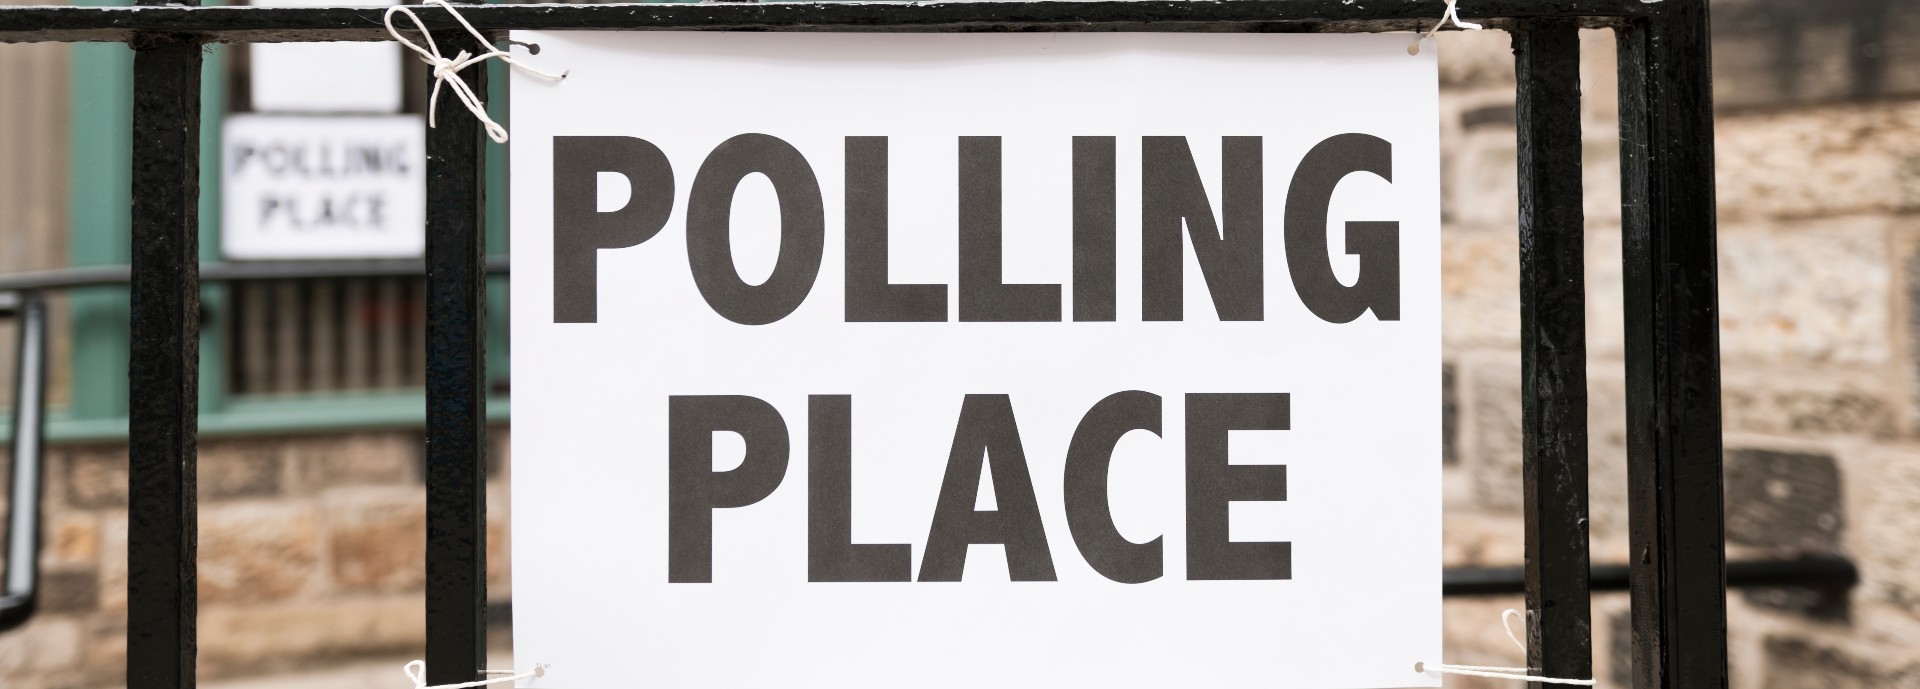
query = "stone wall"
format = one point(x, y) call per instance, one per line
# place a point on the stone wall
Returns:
point(311, 551)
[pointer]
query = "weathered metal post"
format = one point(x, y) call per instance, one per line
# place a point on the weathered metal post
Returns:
point(456, 382)
point(164, 364)
point(1553, 349)
point(1676, 521)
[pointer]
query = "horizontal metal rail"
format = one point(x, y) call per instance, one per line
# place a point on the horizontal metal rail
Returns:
point(100, 276)
point(275, 24)
point(1822, 572)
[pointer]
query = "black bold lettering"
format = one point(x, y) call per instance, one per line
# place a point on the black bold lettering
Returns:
point(870, 297)
point(1376, 243)
point(831, 553)
point(1212, 482)
point(1230, 252)
point(694, 489)
point(580, 230)
point(987, 427)
point(709, 223)
point(1093, 228)
point(1089, 516)
point(983, 297)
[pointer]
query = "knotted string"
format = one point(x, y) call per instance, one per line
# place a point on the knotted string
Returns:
point(1496, 672)
point(417, 671)
point(447, 70)
point(1451, 15)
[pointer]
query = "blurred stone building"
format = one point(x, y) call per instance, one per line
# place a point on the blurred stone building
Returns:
point(312, 514)
point(1818, 165)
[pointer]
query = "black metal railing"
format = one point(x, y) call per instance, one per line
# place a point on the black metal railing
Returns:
point(1678, 576)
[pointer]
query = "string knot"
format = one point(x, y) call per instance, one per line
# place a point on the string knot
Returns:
point(446, 71)
point(416, 670)
point(1452, 14)
point(444, 68)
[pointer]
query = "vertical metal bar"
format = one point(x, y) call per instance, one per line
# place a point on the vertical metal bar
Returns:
point(1553, 349)
point(323, 324)
point(357, 363)
point(498, 157)
point(288, 316)
point(390, 325)
point(163, 376)
point(1676, 518)
point(214, 351)
point(456, 386)
point(99, 204)
point(256, 336)
point(411, 330)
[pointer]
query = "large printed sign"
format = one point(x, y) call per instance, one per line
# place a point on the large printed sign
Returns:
point(965, 360)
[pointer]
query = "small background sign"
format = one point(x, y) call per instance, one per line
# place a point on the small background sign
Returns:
point(323, 187)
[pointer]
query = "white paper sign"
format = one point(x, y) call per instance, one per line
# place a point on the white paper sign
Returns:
point(968, 360)
point(307, 187)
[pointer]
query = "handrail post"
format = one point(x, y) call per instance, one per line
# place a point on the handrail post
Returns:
point(19, 595)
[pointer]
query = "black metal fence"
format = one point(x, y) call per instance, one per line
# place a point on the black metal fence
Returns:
point(1678, 573)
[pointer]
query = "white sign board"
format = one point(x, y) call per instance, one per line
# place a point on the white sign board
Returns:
point(297, 187)
point(966, 360)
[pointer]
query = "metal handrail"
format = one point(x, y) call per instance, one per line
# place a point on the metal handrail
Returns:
point(19, 592)
point(1822, 572)
point(101, 276)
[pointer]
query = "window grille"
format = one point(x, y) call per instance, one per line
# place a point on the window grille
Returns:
point(293, 336)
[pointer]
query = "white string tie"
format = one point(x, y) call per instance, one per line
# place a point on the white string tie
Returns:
point(1451, 15)
point(447, 70)
point(417, 671)
point(1496, 672)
